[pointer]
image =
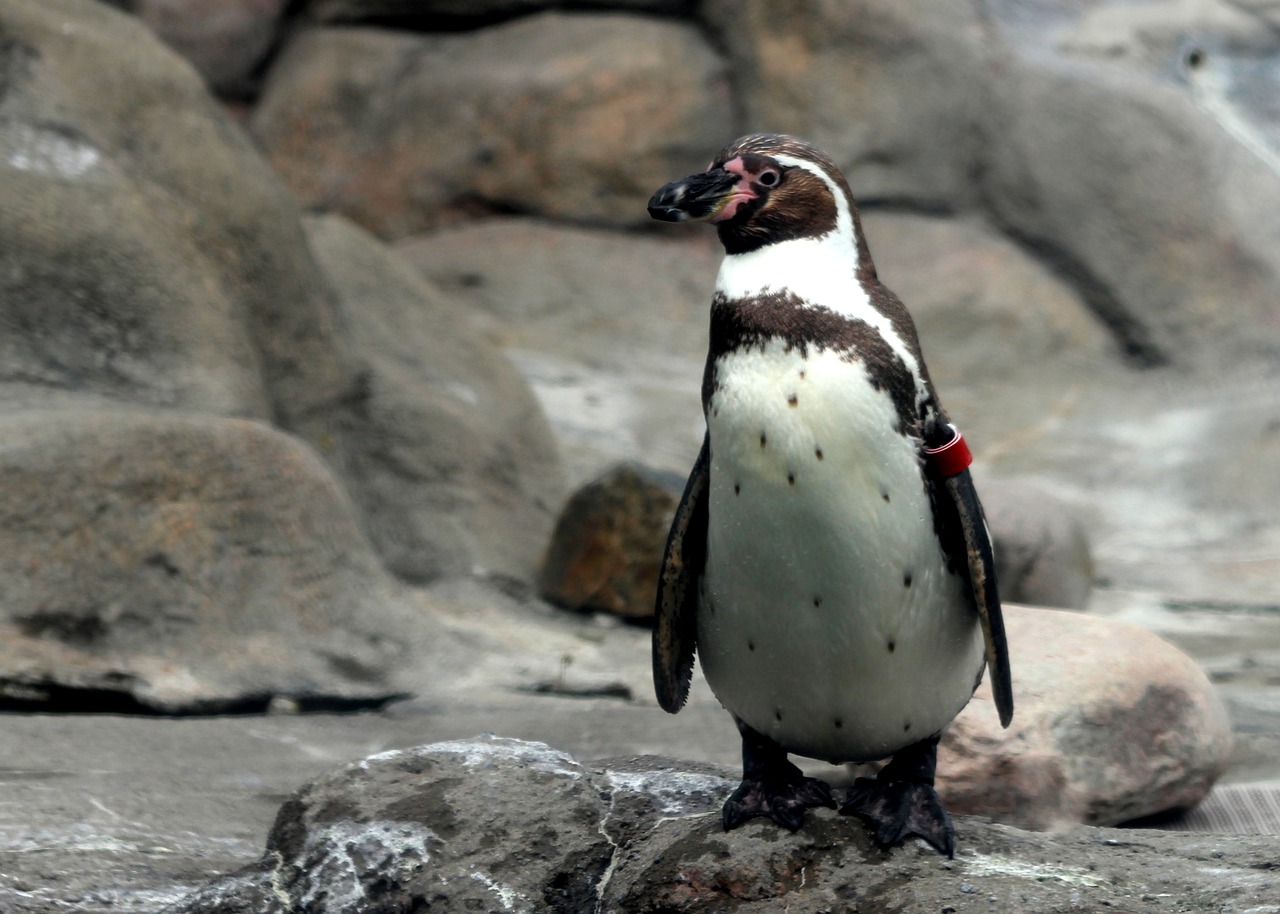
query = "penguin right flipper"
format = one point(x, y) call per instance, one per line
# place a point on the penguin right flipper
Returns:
point(675, 621)
point(982, 577)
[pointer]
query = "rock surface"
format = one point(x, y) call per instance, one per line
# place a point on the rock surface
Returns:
point(226, 40)
point(181, 564)
point(571, 116)
point(450, 825)
point(446, 450)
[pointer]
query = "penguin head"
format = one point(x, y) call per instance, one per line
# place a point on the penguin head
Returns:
point(762, 189)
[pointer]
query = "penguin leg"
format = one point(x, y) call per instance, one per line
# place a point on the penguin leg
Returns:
point(900, 801)
point(771, 786)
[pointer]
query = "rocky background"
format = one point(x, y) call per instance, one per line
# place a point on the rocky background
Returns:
point(345, 389)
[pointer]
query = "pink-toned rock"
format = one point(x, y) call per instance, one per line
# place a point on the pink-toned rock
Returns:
point(1112, 723)
point(572, 116)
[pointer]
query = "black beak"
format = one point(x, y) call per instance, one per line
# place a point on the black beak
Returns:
point(693, 199)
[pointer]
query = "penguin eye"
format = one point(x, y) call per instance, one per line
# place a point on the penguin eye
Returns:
point(769, 178)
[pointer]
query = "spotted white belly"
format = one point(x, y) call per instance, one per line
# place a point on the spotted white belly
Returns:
point(829, 621)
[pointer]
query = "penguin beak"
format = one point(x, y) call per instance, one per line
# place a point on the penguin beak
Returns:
point(704, 197)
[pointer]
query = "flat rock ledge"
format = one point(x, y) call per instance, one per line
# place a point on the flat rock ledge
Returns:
point(499, 825)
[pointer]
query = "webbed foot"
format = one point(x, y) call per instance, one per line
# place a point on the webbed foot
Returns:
point(900, 801)
point(771, 786)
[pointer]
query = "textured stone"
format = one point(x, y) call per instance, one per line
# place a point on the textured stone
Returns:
point(499, 825)
point(609, 328)
point(1111, 724)
point(142, 225)
point(606, 550)
point(572, 116)
point(447, 452)
point(181, 564)
point(225, 40)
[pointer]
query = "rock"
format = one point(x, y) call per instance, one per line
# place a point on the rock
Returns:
point(609, 328)
point(572, 116)
point(496, 824)
point(433, 826)
point(1111, 723)
point(1042, 553)
point(1155, 265)
point(173, 564)
point(606, 550)
point(447, 452)
point(226, 40)
point(141, 223)
point(432, 14)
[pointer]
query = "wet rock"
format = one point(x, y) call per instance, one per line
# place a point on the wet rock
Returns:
point(496, 824)
point(484, 824)
point(447, 452)
point(1111, 723)
point(1042, 552)
point(176, 564)
point(225, 40)
point(606, 550)
point(573, 116)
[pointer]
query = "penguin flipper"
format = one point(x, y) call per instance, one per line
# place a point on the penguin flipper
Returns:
point(675, 621)
point(982, 578)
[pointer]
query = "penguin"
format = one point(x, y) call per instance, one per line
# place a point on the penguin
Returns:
point(829, 562)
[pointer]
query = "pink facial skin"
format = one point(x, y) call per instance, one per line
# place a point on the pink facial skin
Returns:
point(741, 194)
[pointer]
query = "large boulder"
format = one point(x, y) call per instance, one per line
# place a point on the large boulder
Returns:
point(495, 824)
point(447, 452)
point(225, 40)
point(185, 564)
point(141, 225)
point(573, 116)
point(1112, 723)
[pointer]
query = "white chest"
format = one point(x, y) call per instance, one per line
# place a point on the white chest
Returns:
point(829, 620)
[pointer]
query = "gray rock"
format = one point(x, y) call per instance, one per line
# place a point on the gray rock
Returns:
point(434, 13)
point(606, 550)
point(452, 825)
point(432, 826)
point(609, 328)
point(225, 40)
point(447, 452)
point(184, 564)
point(141, 224)
point(1042, 552)
point(572, 116)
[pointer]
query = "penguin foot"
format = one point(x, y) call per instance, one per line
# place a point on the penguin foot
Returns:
point(900, 801)
point(897, 810)
point(771, 786)
point(780, 794)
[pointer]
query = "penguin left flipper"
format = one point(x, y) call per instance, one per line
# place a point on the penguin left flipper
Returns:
point(982, 579)
point(675, 622)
